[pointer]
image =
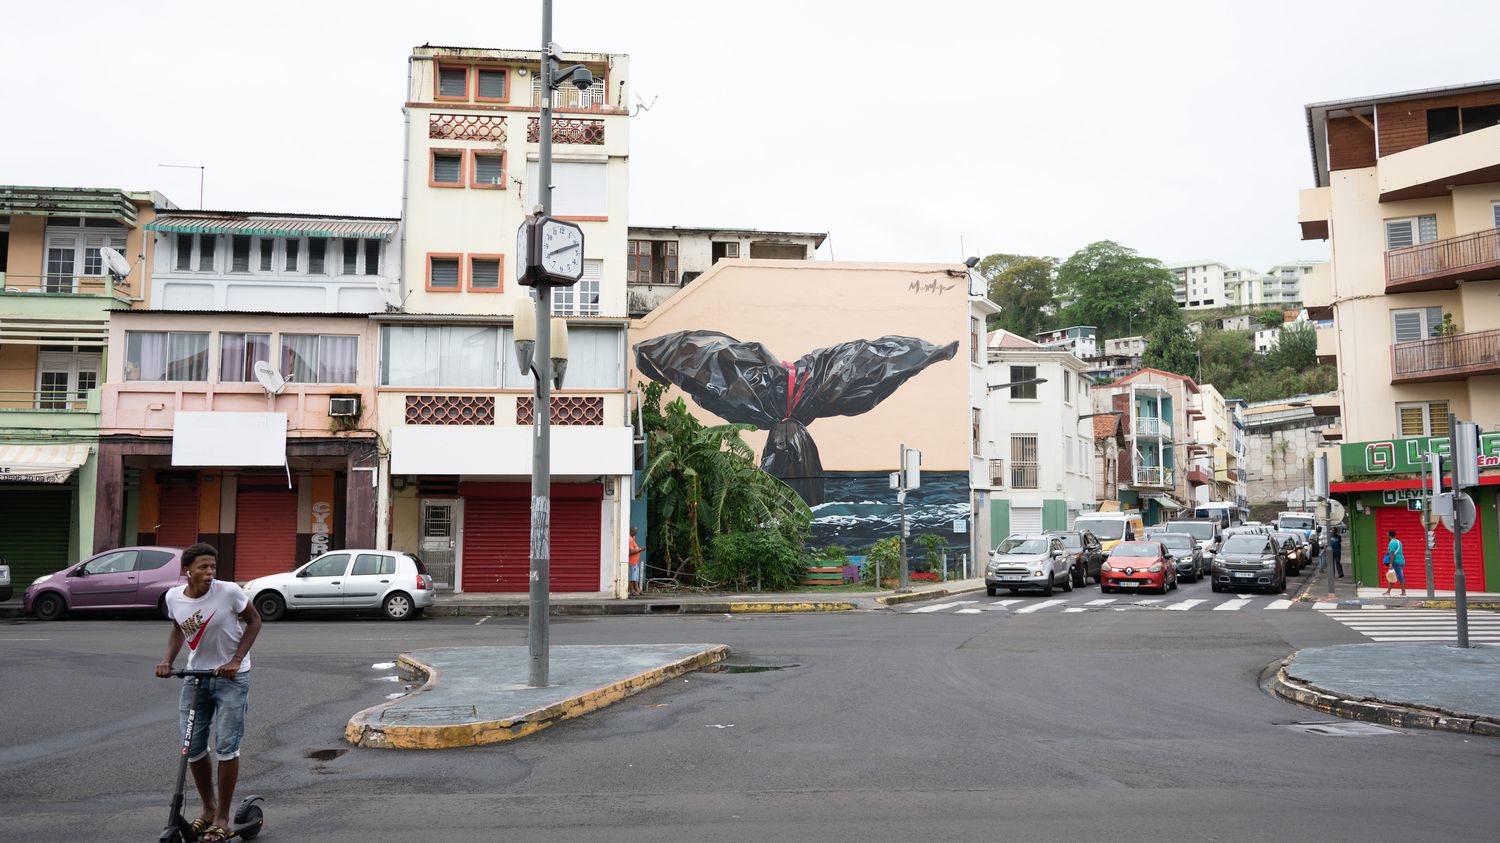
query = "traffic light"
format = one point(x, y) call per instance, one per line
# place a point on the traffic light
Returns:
point(1415, 505)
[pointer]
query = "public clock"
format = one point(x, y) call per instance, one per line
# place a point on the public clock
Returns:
point(549, 252)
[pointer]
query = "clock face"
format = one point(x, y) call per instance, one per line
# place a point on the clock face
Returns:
point(523, 247)
point(561, 250)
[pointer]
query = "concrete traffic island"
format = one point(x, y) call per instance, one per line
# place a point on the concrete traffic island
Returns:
point(478, 695)
point(1417, 685)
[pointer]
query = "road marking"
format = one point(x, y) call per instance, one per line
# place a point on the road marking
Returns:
point(483, 619)
point(1042, 605)
point(1230, 606)
point(382, 665)
point(1075, 609)
point(968, 612)
point(1278, 604)
point(1326, 607)
point(1148, 601)
point(25, 639)
point(941, 606)
point(1183, 606)
point(1105, 602)
point(1001, 604)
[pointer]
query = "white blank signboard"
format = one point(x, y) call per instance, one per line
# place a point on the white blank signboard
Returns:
point(229, 439)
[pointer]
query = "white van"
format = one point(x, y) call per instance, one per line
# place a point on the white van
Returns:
point(1226, 513)
point(1111, 528)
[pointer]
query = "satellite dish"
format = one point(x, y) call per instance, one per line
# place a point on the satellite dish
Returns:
point(118, 267)
point(388, 291)
point(269, 378)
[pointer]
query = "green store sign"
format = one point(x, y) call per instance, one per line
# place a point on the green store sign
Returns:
point(1404, 456)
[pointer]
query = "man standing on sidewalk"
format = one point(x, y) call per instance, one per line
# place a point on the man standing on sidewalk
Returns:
point(1336, 549)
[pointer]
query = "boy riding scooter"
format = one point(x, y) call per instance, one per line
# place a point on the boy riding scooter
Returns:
point(219, 625)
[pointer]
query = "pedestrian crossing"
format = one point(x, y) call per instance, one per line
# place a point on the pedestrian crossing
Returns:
point(1418, 625)
point(1079, 604)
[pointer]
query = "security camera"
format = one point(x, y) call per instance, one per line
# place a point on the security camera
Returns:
point(971, 262)
point(582, 79)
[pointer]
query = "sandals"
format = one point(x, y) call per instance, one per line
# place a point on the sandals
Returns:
point(219, 834)
point(200, 825)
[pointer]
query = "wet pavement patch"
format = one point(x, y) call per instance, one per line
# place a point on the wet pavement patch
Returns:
point(1341, 729)
point(747, 668)
point(325, 754)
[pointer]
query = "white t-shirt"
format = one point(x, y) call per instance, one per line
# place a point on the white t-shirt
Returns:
point(210, 624)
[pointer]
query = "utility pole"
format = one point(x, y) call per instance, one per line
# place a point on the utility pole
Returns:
point(1432, 483)
point(906, 479)
point(1463, 447)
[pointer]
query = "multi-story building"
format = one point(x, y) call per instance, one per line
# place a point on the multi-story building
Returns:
point(1406, 191)
point(1044, 474)
point(1157, 411)
point(660, 260)
point(57, 293)
point(454, 406)
point(1109, 443)
point(1201, 285)
point(1238, 454)
point(1121, 358)
point(1082, 341)
point(1283, 437)
point(1207, 284)
point(1281, 285)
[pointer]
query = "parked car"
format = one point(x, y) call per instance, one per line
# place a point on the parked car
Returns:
point(1138, 565)
point(124, 578)
point(1207, 532)
point(1306, 524)
point(5, 588)
point(1298, 552)
point(1087, 553)
point(1111, 528)
point(1250, 561)
point(1029, 562)
point(1185, 554)
point(396, 583)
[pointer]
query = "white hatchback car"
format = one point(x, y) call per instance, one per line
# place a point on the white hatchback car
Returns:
point(396, 583)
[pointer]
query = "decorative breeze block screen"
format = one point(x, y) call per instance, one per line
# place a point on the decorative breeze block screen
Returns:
point(467, 127)
point(590, 132)
point(465, 410)
point(566, 409)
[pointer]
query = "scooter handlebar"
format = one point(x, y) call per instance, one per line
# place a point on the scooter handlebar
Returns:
point(187, 674)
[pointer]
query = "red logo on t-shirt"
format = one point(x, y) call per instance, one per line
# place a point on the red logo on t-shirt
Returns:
point(194, 627)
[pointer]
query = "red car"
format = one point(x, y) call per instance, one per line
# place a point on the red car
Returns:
point(124, 578)
point(1137, 566)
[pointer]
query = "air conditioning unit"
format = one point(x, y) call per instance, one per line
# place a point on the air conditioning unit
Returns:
point(346, 406)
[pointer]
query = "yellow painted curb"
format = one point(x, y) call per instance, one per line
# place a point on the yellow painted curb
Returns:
point(366, 729)
point(810, 606)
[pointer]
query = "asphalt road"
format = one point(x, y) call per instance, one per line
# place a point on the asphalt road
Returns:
point(1142, 724)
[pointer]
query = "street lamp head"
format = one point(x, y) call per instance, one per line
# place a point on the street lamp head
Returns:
point(971, 262)
point(559, 351)
point(524, 330)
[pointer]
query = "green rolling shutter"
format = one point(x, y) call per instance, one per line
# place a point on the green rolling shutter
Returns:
point(34, 524)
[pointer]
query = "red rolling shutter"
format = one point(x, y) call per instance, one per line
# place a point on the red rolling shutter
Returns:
point(265, 531)
point(1408, 527)
point(497, 537)
point(178, 514)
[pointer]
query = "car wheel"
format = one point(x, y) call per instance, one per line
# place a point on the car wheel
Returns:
point(1080, 576)
point(49, 607)
point(1067, 583)
point(270, 605)
point(990, 590)
point(1047, 592)
point(398, 606)
point(1215, 587)
point(1174, 583)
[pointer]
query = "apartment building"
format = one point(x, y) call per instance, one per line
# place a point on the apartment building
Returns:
point(1202, 284)
point(1210, 284)
point(659, 260)
point(1406, 189)
point(1121, 358)
point(1043, 474)
point(1082, 341)
point(1158, 411)
point(57, 293)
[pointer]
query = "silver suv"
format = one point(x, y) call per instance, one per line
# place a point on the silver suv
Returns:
point(1029, 562)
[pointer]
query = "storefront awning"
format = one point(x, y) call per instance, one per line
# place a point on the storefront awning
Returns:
point(271, 226)
point(1164, 502)
point(228, 439)
point(40, 463)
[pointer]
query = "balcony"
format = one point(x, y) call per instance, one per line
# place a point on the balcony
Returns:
point(1317, 292)
point(1328, 345)
point(1155, 428)
point(1446, 358)
point(1314, 207)
point(1441, 264)
point(48, 410)
point(63, 285)
point(1154, 476)
point(1197, 476)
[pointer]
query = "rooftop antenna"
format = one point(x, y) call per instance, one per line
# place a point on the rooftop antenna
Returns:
point(201, 169)
point(270, 379)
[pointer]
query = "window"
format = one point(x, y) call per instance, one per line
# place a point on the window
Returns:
point(452, 82)
point(165, 356)
point(1068, 454)
point(1410, 231)
point(1422, 418)
point(331, 565)
point(119, 562)
point(1495, 210)
point(579, 188)
point(439, 355)
point(1067, 387)
point(976, 428)
point(488, 170)
point(351, 256)
point(206, 247)
point(1027, 392)
point(581, 299)
point(997, 473)
point(238, 354)
point(1023, 461)
point(184, 253)
point(1444, 123)
point(485, 272)
point(1413, 324)
point(293, 248)
point(239, 249)
point(492, 85)
point(267, 254)
point(976, 343)
point(317, 251)
point(447, 168)
point(372, 257)
point(651, 262)
point(68, 249)
point(64, 379)
point(443, 273)
point(373, 565)
point(314, 358)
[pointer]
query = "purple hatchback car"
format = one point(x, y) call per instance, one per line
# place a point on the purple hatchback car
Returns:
point(124, 578)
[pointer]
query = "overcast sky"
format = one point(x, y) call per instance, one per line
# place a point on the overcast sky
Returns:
point(903, 130)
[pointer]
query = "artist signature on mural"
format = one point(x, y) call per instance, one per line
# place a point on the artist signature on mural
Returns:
point(933, 286)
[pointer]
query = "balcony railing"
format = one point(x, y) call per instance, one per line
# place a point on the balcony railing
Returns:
point(1198, 477)
point(1446, 358)
point(1153, 475)
point(1149, 426)
point(1436, 265)
point(77, 401)
point(62, 285)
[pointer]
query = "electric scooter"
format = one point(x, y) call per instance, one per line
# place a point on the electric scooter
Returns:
point(248, 818)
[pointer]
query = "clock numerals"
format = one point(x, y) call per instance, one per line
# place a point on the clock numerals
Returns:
point(549, 251)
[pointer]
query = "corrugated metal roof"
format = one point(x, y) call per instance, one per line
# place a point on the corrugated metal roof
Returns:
point(275, 226)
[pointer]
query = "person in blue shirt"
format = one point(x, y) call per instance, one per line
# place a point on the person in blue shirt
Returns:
point(1397, 560)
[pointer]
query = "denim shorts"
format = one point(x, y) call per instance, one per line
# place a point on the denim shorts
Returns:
point(221, 702)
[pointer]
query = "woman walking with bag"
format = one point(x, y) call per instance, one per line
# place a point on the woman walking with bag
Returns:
point(1396, 573)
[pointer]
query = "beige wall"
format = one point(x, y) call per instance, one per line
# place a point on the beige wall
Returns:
point(25, 249)
point(17, 375)
point(794, 307)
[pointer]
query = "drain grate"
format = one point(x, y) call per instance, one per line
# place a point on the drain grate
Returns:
point(746, 668)
point(1341, 729)
point(438, 713)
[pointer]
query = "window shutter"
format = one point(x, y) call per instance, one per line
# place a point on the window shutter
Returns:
point(1398, 234)
point(1496, 209)
point(267, 254)
point(492, 84)
point(185, 252)
point(669, 264)
point(445, 273)
point(351, 256)
point(372, 257)
point(1437, 418)
point(453, 81)
point(1406, 325)
point(484, 275)
point(489, 169)
point(292, 248)
point(632, 248)
point(447, 169)
point(206, 244)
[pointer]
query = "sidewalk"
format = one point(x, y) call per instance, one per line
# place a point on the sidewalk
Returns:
point(1351, 595)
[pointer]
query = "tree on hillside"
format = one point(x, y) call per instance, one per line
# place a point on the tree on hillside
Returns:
point(1170, 347)
point(1269, 318)
point(1297, 349)
point(1023, 286)
point(1225, 357)
point(1114, 289)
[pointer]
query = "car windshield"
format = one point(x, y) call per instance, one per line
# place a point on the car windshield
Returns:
point(1177, 541)
point(1200, 530)
point(1072, 541)
point(1245, 543)
point(1104, 530)
point(1023, 546)
point(1289, 523)
point(1135, 549)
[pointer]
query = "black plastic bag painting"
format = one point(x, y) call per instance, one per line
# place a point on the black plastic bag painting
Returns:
point(743, 382)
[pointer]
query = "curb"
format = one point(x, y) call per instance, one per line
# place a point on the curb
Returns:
point(1377, 711)
point(655, 607)
point(365, 728)
point(1453, 604)
point(914, 596)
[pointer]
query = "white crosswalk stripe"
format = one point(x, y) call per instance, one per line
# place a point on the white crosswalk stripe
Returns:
point(1036, 607)
point(1419, 625)
point(1231, 605)
point(1278, 604)
point(1075, 606)
point(941, 606)
point(1184, 605)
point(1105, 602)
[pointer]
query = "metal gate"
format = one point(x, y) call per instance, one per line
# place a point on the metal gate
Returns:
point(265, 531)
point(439, 532)
point(1025, 520)
point(34, 531)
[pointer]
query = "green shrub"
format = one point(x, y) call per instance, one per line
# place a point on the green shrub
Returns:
point(766, 559)
point(887, 552)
